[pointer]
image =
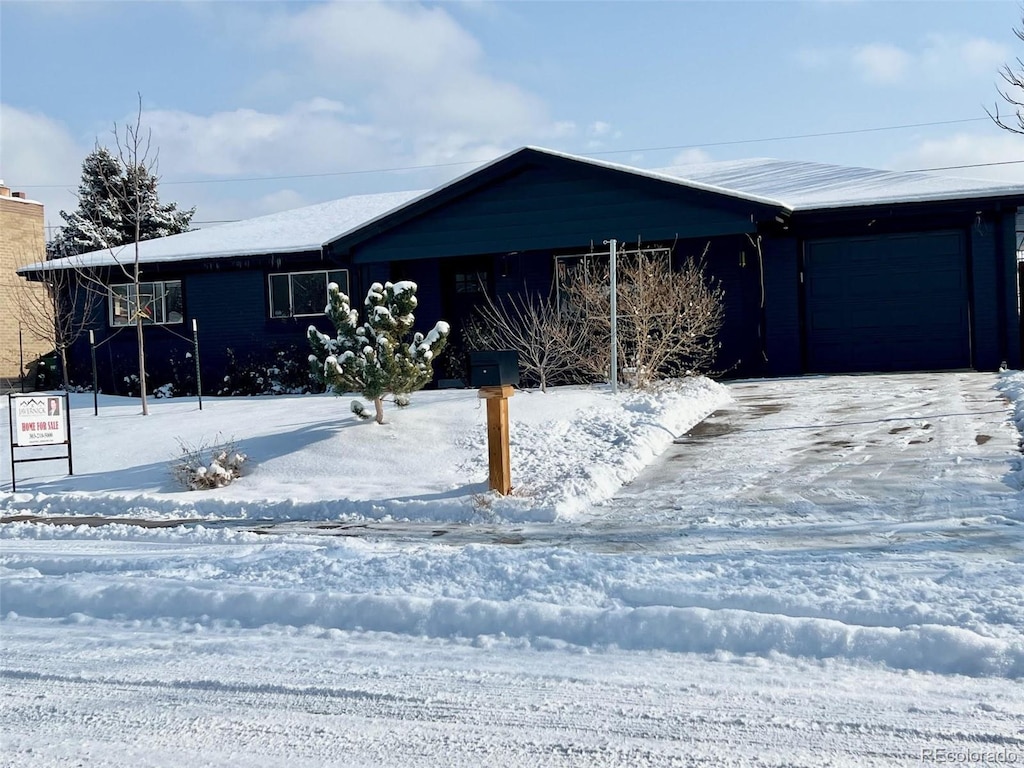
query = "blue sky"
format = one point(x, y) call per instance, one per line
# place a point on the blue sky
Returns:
point(241, 94)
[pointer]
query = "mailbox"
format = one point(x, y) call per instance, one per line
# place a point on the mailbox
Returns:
point(494, 368)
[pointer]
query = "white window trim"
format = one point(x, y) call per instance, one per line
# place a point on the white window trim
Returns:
point(158, 293)
point(291, 298)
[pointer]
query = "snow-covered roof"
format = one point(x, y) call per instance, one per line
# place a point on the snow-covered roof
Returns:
point(804, 186)
point(784, 184)
point(299, 229)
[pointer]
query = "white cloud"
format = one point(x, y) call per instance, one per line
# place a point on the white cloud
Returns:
point(39, 156)
point(882, 63)
point(945, 56)
point(937, 60)
point(691, 156)
point(962, 149)
point(308, 137)
point(413, 69)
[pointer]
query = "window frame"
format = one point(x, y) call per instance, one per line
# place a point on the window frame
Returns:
point(156, 293)
point(291, 291)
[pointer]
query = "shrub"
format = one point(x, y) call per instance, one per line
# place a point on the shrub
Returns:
point(280, 372)
point(203, 467)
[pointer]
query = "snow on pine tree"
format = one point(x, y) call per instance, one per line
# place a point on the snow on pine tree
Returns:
point(107, 201)
point(376, 358)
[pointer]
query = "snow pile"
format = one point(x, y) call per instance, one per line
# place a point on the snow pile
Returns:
point(309, 458)
point(924, 611)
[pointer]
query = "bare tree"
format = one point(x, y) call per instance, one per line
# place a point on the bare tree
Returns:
point(129, 181)
point(1012, 92)
point(553, 346)
point(60, 314)
point(133, 150)
point(668, 319)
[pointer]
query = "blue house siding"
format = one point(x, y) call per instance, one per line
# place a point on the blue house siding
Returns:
point(996, 327)
point(541, 208)
point(984, 244)
point(783, 333)
point(1010, 303)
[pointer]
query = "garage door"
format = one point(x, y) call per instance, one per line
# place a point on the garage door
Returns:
point(888, 303)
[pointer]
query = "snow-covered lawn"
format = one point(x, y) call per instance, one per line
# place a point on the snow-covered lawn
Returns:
point(828, 571)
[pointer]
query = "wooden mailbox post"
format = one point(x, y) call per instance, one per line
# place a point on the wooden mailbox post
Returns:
point(500, 470)
point(496, 373)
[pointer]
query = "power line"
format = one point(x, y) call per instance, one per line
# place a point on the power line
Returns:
point(971, 165)
point(792, 137)
point(396, 169)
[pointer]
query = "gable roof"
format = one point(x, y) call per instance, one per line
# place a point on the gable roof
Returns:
point(797, 185)
point(784, 185)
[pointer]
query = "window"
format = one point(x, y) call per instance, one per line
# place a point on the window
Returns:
point(301, 294)
point(156, 303)
point(470, 282)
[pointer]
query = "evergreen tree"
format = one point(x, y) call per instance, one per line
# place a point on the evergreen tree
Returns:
point(375, 358)
point(107, 208)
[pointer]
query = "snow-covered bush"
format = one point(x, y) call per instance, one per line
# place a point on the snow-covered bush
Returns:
point(203, 467)
point(376, 358)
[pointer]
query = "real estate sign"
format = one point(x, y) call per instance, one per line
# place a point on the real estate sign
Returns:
point(39, 420)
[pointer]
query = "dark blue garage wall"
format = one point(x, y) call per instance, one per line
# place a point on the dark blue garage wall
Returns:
point(996, 321)
point(996, 325)
point(984, 273)
point(1010, 301)
point(782, 306)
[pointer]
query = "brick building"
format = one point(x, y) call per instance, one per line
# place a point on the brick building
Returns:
point(22, 241)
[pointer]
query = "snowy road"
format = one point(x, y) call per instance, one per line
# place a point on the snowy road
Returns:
point(162, 696)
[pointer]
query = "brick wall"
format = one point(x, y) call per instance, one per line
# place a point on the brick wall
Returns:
point(22, 241)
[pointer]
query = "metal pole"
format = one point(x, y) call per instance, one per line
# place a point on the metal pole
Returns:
point(10, 422)
point(199, 377)
point(67, 428)
point(95, 378)
point(614, 316)
point(21, 359)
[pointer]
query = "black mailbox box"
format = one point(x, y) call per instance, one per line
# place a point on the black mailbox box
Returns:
point(494, 368)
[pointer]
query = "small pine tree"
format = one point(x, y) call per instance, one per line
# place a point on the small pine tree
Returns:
point(375, 358)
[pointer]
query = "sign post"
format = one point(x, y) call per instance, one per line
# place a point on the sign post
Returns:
point(39, 420)
point(95, 378)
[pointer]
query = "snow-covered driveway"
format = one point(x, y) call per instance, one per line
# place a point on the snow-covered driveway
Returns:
point(820, 453)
